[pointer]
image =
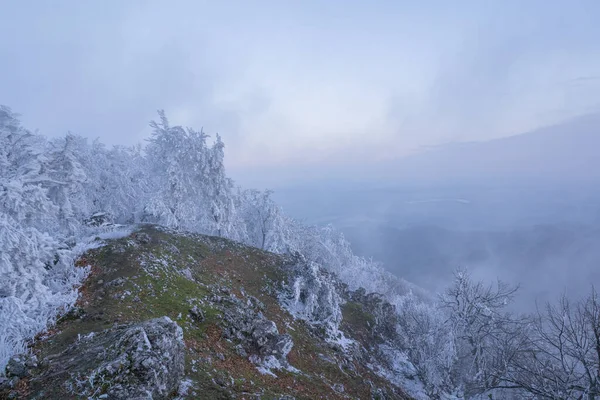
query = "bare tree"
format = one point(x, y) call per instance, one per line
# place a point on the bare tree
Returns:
point(487, 336)
point(564, 352)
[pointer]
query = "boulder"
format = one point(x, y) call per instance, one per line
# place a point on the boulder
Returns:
point(135, 361)
point(269, 342)
point(257, 337)
point(17, 367)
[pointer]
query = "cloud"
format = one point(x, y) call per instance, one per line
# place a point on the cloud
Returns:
point(300, 83)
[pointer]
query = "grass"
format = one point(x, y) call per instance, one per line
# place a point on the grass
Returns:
point(153, 273)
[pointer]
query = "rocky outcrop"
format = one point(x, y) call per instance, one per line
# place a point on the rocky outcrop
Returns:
point(257, 337)
point(19, 366)
point(238, 323)
point(138, 361)
point(311, 295)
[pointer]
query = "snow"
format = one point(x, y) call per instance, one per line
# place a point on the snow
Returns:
point(23, 315)
point(266, 365)
point(184, 388)
point(312, 297)
point(51, 188)
point(340, 339)
point(119, 232)
point(401, 372)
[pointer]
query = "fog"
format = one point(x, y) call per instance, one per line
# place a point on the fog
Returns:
point(434, 136)
point(524, 209)
point(547, 240)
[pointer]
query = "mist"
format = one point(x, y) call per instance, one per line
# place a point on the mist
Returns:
point(300, 199)
point(524, 210)
point(433, 136)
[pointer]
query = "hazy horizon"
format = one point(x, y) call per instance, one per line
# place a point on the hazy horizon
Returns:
point(382, 117)
point(306, 86)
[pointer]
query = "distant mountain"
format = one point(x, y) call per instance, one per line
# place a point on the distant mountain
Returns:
point(567, 151)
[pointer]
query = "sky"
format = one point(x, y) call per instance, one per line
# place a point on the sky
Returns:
point(298, 84)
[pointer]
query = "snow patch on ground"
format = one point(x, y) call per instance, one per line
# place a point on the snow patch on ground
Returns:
point(266, 365)
point(117, 232)
point(341, 340)
point(401, 372)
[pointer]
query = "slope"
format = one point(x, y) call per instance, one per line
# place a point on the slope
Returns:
point(254, 325)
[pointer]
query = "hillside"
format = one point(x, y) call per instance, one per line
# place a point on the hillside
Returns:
point(172, 315)
point(160, 314)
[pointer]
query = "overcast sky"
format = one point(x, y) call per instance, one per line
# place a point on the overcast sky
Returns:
point(293, 83)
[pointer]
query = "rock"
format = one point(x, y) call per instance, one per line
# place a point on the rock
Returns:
point(136, 361)
point(312, 295)
point(239, 349)
point(4, 383)
point(262, 330)
point(115, 282)
point(256, 303)
point(338, 387)
point(269, 342)
point(196, 314)
point(221, 379)
point(17, 367)
point(225, 290)
point(31, 361)
point(257, 337)
point(143, 237)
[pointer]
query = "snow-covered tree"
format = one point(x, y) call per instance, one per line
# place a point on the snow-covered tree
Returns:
point(36, 278)
point(487, 336)
point(220, 192)
point(23, 196)
point(430, 344)
point(65, 189)
point(118, 182)
point(263, 217)
point(191, 190)
point(563, 357)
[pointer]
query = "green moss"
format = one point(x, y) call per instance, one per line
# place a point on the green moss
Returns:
point(356, 316)
point(140, 277)
point(208, 389)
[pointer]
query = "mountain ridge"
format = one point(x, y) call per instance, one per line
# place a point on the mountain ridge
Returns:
point(245, 332)
point(568, 151)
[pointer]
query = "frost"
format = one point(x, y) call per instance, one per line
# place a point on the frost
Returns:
point(184, 387)
point(401, 372)
point(266, 365)
point(118, 232)
point(59, 196)
point(341, 340)
point(313, 297)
